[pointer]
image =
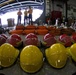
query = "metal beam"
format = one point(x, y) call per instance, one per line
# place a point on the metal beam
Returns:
point(6, 2)
point(21, 2)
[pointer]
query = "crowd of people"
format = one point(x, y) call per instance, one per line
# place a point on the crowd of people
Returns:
point(27, 15)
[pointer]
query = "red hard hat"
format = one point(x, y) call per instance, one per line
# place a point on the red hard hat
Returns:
point(15, 40)
point(65, 40)
point(2, 40)
point(31, 39)
point(73, 37)
point(49, 39)
point(4, 35)
point(62, 36)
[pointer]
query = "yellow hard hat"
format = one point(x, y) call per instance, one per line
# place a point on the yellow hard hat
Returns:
point(31, 59)
point(73, 51)
point(8, 55)
point(68, 51)
point(56, 55)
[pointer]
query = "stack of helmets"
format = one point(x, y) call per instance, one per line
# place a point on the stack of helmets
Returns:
point(18, 30)
point(29, 29)
point(42, 30)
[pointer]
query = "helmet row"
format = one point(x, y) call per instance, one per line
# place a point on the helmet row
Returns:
point(16, 40)
point(31, 57)
point(32, 39)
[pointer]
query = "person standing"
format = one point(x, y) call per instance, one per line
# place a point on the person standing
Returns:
point(19, 13)
point(25, 16)
point(30, 11)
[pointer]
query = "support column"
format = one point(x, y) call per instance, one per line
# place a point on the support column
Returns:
point(66, 12)
point(48, 6)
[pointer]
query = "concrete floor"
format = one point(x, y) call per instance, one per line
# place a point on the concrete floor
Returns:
point(69, 68)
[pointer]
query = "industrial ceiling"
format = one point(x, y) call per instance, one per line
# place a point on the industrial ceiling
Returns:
point(11, 5)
